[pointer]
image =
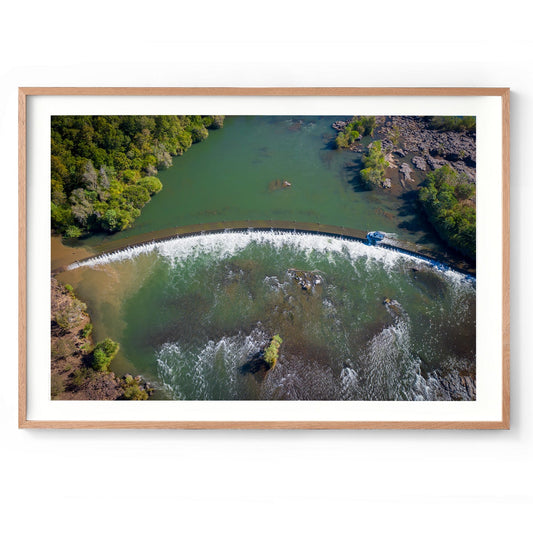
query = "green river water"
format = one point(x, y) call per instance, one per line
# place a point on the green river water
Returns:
point(189, 313)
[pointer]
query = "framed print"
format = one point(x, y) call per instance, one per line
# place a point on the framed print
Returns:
point(264, 258)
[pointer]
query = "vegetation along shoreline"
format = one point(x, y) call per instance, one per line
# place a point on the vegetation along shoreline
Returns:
point(104, 171)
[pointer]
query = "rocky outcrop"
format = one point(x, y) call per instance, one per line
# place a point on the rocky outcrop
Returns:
point(276, 185)
point(339, 125)
point(433, 163)
point(456, 148)
point(307, 280)
point(406, 170)
point(265, 359)
point(452, 386)
point(463, 168)
point(389, 157)
point(419, 163)
point(72, 375)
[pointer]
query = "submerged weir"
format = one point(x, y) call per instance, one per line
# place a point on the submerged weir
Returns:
point(382, 325)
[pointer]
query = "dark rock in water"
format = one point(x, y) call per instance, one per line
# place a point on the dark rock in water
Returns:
point(296, 125)
point(358, 148)
point(393, 307)
point(419, 163)
point(276, 185)
point(255, 364)
point(263, 360)
point(306, 280)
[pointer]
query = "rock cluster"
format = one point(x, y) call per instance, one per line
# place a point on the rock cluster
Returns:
point(339, 125)
point(306, 280)
point(436, 148)
point(454, 387)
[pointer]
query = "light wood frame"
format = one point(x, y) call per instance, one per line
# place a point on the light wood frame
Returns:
point(503, 93)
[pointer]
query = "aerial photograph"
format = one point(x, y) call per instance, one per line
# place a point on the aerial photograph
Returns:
point(211, 257)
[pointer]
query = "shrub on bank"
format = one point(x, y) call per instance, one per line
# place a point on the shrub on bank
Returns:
point(132, 389)
point(87, 330)
point(103, 354)
point(357, 128)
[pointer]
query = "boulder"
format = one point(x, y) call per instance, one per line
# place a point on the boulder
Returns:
point(339, 125)
point(406, 170)
point(419, 162)
point(433, 163)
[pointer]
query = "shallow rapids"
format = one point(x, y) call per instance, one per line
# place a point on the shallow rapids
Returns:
point(196, 309)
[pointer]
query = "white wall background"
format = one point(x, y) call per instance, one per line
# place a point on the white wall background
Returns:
point(268, 480)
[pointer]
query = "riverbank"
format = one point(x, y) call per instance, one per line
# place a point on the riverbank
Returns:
point(190, 322)
point(63, 255)
point(72, 374)
point(189, 312)
point(411, 147)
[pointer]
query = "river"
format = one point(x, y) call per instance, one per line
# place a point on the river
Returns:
point(190, 312)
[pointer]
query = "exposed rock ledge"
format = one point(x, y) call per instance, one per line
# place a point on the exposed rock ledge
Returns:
point(307, 280)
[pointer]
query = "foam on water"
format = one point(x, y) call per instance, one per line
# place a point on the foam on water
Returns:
point(344, 347)
point(226, 244)
point(189, 373)
point(385, 369)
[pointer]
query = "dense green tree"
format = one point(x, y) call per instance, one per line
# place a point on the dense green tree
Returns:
point(451, 123)
point(103, 168)
point(103, 354)
point(355, 129)
point(151, 184)
point(373, 173)
point(271, 354)
point(449, 202)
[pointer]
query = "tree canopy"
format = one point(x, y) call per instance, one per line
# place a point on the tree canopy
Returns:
point(453, 123)
point(373, 173)
point(355, 129)
point(103, 168)
point(449, 202)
